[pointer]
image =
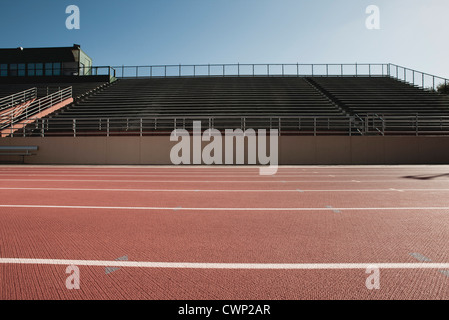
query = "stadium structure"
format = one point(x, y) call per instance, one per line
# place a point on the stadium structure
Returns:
point(357, 208)
point(56, 107)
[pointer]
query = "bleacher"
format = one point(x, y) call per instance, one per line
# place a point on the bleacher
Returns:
point(168, 103)
point(181, 97)
point(382, 96)
point(346, 104)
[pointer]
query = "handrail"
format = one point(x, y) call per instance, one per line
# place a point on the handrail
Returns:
point(415, 77)
point(16, 115)
point(16, 98)
point(165, 125)
point(307, 125)
point(282, 69)
point(253, 70)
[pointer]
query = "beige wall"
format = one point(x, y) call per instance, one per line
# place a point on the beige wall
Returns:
point(324, 150)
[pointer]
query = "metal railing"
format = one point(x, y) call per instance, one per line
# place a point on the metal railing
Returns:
point(166, 125)
point(312, 126)
point(17, 98)
point(25, 113)
point(416, 78)
point(406, 125)
point(98, 71)
point(252, 70)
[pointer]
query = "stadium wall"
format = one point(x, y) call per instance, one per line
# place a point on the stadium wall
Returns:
point(293, 150)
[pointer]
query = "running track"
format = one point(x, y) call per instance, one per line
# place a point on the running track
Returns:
point(194, 233)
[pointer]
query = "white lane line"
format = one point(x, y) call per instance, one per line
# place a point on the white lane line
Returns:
point(223, 209)
point(203, 181)
point(215, 190)
point(250, 266)
point(400, 190)
point(87, 174)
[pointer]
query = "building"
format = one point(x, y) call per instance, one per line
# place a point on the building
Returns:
point(44, 62)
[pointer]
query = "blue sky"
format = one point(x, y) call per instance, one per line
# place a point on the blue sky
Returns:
point(148, 32)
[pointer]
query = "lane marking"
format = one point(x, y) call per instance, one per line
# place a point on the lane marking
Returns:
point(215, 190)
point(192, 181)
point(250, 266)
point(399, 190)
point(255, 175)
point(222, 209)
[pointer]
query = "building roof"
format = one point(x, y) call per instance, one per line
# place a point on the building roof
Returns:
point(21, 55)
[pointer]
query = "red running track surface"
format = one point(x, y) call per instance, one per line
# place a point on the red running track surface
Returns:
point(193, 233)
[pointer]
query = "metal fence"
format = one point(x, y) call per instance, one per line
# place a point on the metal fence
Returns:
point(251, 70)
point(18, 117)
point(166, 125)
point(417, 78)
point(308, 126)
point(406, 125)
point(17, 98)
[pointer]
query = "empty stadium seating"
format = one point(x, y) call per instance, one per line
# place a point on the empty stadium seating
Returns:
point(381, 95)
point(293, 104)
point(222, 102)
point(181, 97)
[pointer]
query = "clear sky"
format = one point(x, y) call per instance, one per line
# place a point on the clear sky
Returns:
point(412, 33)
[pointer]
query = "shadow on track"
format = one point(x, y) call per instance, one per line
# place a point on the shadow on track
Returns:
point(424, 177)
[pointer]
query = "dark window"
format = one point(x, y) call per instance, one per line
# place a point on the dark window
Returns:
point(13, 70)
point(31, 69)
point(21, 72)
point(56, 69)
point(49, 69)
point(39, 69)
point(3, 70)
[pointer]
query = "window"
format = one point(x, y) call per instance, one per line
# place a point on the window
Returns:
point(13, 70)
point(21, 68)
point(39, 69)
point(31, 69)
point(3, 70)
point(56, 69)
point(49, 69)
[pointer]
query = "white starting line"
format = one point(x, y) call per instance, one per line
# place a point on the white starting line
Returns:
point(248, 266)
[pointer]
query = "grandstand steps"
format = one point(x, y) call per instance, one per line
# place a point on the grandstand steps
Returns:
point(259, 102)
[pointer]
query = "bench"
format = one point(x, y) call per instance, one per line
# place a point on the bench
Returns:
point(17, 150)
point(22, 151)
